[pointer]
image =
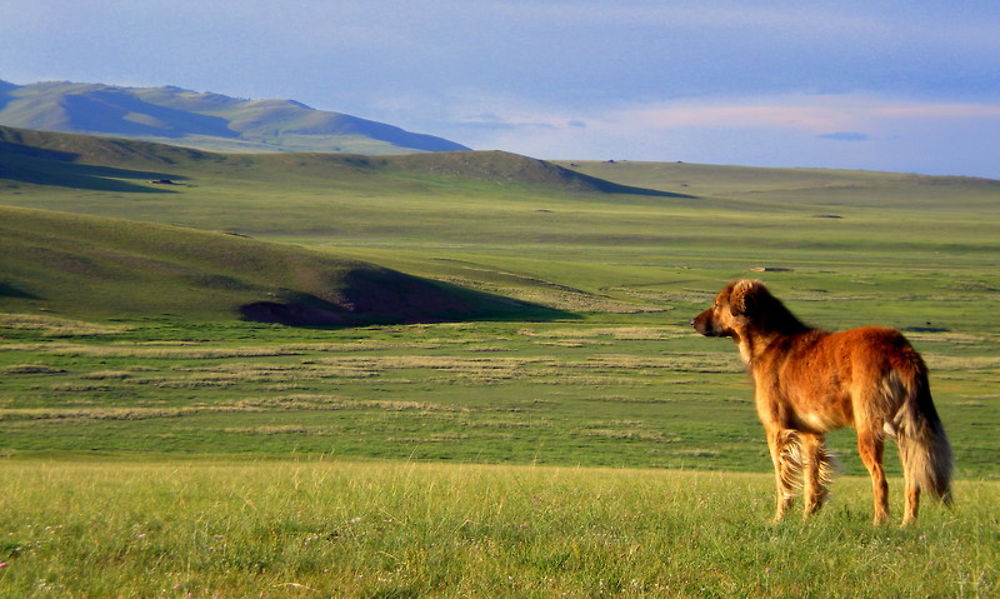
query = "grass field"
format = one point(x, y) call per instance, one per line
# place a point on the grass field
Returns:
point(568, 393)
point(208, 528)
point(151, 443)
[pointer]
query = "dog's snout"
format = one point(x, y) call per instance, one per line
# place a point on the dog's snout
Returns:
point(705, 324)
point(698, 323)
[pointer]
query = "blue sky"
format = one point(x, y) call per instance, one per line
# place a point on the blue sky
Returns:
point(910, 86)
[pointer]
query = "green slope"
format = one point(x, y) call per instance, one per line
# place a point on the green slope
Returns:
point(803, 186)
point(92, 266)
point(49, 158)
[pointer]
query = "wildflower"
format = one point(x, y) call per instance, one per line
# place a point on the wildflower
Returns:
point(3, 565)
point(768, 570)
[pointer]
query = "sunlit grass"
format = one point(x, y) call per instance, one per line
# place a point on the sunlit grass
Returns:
point(328, 528)
point(52, 326)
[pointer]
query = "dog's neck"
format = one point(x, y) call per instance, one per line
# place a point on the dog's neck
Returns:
point(751, 346)
point(745, 347)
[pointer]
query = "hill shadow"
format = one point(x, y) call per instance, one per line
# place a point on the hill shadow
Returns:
point(112, 111)
point(609, 187)
point(606, 186)
point(389, 297)
point(41, 166)
point(8, 289)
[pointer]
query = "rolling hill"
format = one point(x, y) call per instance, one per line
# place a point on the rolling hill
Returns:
point(59, 261)
point(60, 159)
point(203, 120)
point(93, 266)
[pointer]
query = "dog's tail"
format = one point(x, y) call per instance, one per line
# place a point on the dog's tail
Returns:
point(923, 445)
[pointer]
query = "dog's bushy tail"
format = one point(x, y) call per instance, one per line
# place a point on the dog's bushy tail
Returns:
point(923, 445)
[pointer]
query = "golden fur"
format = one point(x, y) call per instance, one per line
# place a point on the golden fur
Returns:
point(808, 382)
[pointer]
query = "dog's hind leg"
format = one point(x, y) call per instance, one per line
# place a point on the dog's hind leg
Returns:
point(817, 466)
point(870, 445)
point(912, 500)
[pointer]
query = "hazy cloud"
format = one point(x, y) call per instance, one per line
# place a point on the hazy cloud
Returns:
point(845, 136)
point(792, 130)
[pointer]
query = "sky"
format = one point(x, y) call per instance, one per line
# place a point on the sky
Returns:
point(895, 85)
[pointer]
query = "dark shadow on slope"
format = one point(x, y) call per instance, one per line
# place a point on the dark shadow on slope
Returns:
point(15, 149)
point(605, 186)
point(382, 296)
point(40, 166)
point(8, 289)
point(113, 112)
point(609, 187)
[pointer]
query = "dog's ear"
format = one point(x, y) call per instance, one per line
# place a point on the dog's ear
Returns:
point(746, 296)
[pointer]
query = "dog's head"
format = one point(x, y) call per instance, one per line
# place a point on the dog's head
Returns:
point(733, 309)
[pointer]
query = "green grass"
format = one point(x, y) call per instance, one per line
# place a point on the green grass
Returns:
point(330, 528)
point(568, 393)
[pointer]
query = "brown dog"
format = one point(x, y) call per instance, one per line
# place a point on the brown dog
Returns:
point(808, 382)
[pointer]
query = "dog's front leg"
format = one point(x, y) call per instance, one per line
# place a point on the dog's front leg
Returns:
point(783, 443)
point(784, 448)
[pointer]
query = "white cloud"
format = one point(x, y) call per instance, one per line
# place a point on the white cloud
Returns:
point(809, 113)
point(789, 130)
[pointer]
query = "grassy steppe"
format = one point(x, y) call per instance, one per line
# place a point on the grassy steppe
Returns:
point(321, 529)
point(572, 393)
point(624, 383)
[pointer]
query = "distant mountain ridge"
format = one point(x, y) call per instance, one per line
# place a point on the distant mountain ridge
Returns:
point(204, 120)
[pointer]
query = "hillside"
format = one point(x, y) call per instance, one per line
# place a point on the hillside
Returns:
point(90, 266)
point(203, 120)
point(810, 186)
point(60, 159)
